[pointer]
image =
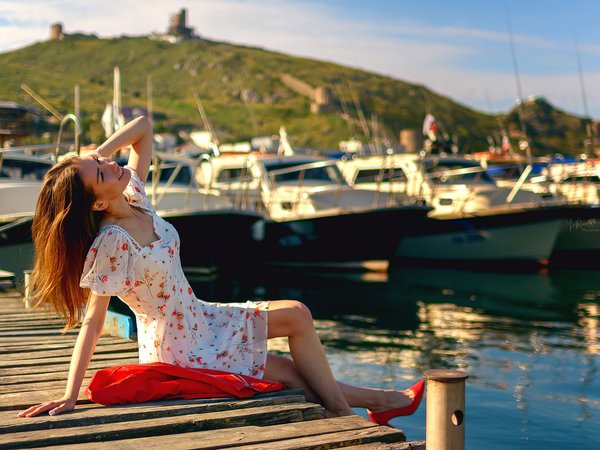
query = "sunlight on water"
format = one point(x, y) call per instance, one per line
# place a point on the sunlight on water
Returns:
point(530, 342)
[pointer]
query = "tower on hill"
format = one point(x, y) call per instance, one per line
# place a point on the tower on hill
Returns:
point(56, 32)
point(178, 28)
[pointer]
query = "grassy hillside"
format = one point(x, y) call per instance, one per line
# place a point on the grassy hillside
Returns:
point(224, 76)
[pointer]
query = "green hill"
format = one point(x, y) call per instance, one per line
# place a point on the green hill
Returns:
point(244, 95)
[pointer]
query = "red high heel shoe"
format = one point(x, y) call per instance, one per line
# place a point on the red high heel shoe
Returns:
point(384, 417)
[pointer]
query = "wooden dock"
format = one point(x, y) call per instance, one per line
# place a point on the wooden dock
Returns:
point(34, 362)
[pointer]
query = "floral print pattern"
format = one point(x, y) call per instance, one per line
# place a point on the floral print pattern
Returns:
point(173, 325)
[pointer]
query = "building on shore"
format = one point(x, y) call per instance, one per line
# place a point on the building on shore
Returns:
point(17, 122)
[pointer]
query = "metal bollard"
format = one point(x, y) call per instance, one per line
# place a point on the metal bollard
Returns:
point(28, 295)
point(445, 426)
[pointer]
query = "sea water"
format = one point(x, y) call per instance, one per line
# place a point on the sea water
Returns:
point(530, 342)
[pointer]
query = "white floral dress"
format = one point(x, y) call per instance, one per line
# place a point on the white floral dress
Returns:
point(173, 325)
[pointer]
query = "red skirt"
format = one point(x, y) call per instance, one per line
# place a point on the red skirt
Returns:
point(135, 383)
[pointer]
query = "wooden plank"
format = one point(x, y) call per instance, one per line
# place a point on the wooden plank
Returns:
point(46, 347)
point(29, 320)
point(34, 340)
point(41, 386)
point(207, 440)
point(94, 413)
point(41, 333)
point(19, 401)
point(59, 338)
point(65, 366)
point(334, 440)
point(35, 325)
point(37, 386)
point(66, 352)
point(165, 425)
point(26, 317)
point(412, 445)
point(15, 401)
point(56, 372)
point(64, 359)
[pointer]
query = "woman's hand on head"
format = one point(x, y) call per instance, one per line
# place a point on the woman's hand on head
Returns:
point(52, 407)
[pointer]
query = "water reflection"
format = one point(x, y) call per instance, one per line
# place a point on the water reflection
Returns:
point(529, 341)
point(16, 259)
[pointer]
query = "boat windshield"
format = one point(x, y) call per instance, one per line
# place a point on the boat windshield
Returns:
point(182, 178)
point(457, 172)
point(383, 175)
point(23, 169)
point(323, 174)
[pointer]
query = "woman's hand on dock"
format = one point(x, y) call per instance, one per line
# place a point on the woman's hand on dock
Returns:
point(53, 408)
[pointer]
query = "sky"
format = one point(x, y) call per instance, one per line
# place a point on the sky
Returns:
point(458, 48)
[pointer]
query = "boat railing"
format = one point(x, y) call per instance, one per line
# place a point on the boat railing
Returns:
point(472, 185)
point(49, 151)
point(73, 118)
point(338, 187)
point(164, 160)
point(269, 181)
point(579, 181)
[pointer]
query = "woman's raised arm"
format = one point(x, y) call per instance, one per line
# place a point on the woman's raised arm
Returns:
point(138, 134)
point(91, 327)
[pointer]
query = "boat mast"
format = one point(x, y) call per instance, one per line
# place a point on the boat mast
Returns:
point(149, 98)
point(207, 125)
point(589, 123)
point(525, 143)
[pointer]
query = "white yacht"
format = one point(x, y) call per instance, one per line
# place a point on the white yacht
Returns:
point(473, 220)
point(20, 182)
point(311, 217)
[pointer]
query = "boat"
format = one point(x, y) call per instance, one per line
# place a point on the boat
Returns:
point(577, 184)
point(211, 229)
point(311, 217)
point(578, 243)
point(20, 182)
point(472, 219)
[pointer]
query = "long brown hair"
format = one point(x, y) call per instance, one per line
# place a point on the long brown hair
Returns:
point(63, 229)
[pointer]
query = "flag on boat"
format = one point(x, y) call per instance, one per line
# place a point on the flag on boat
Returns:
point(428, 123)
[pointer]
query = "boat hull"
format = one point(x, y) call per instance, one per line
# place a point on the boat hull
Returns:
point(578, 242)
point(363, 240)
point(16, 231)
point(524, 237)
point(209, 239)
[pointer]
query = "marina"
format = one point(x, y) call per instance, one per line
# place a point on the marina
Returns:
point(410, 233)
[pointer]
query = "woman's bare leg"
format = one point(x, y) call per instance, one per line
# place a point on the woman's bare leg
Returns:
point(284, 370)
point(293, 320)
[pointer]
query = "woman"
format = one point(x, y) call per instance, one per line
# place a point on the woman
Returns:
point(95, 227)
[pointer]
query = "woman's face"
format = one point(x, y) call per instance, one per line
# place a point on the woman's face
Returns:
point(105, 177)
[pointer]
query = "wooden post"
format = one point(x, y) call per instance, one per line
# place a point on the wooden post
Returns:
point(28, 294)
point(445, 427)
